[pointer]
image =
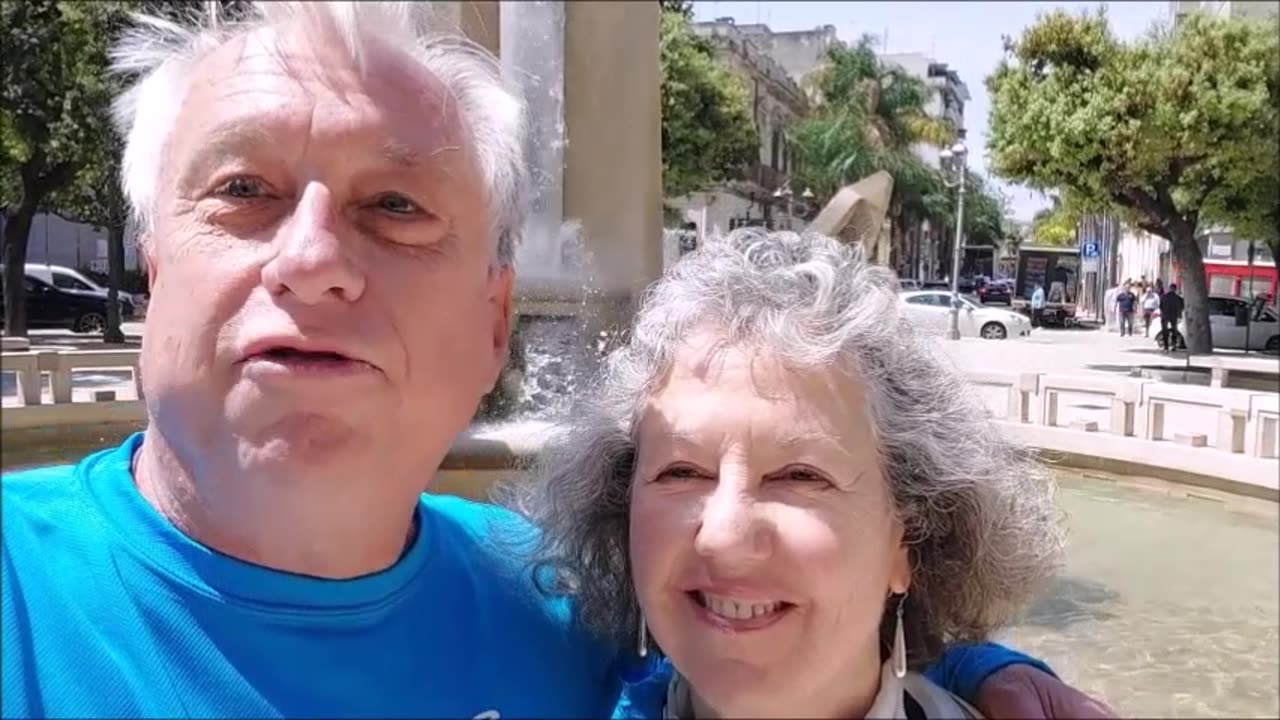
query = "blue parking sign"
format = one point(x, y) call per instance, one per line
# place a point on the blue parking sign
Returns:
point(1089, 249)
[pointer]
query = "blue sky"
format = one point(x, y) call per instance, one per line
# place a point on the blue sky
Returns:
point(965, 35)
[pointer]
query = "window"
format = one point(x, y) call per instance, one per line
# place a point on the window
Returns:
point(1253, 287)
point(1222, 307)
point(68, 282)
point(931, 300)
point(1221, 285)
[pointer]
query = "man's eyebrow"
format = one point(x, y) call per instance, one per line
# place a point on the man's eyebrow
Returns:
point(398, 153)
point(227, 140)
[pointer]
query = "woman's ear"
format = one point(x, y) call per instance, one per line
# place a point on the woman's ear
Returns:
point(900, 571)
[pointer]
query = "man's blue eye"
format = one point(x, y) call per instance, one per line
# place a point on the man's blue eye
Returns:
point(242, 188)
point(398, 204)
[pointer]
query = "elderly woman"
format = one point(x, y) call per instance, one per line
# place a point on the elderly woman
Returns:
point(781, 489)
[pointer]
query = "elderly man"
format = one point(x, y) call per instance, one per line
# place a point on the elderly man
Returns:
point(331, 196)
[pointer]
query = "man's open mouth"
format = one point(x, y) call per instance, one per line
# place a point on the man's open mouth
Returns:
point(294, 355)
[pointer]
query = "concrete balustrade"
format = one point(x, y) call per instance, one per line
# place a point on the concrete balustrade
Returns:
point(1234, 444)
point(60, 364)
point(1262, 429)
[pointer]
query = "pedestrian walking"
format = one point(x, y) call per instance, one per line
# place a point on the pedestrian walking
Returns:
point(1150, 304)
point(1126, 302)
point(1037, 306)
point(1171, 307)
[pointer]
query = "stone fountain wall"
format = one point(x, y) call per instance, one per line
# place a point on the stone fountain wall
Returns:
point(589, 73)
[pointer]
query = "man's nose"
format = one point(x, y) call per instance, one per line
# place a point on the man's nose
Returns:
point(311, 262)
point(733, 533)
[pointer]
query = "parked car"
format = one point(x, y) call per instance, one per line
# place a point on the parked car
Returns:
point(993, 292)
point(1228, 319)
point(81, 311)
point(72, 280)
point(930, 310)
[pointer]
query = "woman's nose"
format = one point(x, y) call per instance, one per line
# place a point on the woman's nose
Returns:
point(733, 532)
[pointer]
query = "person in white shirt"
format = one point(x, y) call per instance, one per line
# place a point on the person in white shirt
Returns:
point(1150, 304)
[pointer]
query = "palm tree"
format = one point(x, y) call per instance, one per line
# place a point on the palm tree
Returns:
point(870, 115)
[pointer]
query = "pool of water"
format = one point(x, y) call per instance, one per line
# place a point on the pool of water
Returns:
point(1168, 605)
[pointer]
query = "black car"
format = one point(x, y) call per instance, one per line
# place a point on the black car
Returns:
point(49, 306)
point(995, 292)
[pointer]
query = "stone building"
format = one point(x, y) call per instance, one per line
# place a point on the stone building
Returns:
point(762, 194)
point(1247, 9)
point(54, 240)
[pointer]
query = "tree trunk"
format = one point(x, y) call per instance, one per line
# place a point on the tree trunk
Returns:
point(115, 278)
point(16, 233)
point(1195, 288)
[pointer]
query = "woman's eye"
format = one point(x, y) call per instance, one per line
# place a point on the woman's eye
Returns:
point(397, 204)
point(803, 475)
point(242, 188)
point(680, 472)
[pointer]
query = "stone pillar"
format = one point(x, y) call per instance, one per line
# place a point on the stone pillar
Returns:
point(589, 72)
point(613, 162)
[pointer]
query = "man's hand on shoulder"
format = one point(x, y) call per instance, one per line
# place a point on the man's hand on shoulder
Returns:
point(1022, 692)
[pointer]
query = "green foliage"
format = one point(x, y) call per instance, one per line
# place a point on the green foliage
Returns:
point(708, 133)
point(869, 116)
point(684, 8)
point(985, 209)
point(1177, 127)
point(1053, 228)
point(55, 92)
point(52, 92)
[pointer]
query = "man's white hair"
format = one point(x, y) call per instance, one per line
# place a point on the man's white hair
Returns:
point(162, 52)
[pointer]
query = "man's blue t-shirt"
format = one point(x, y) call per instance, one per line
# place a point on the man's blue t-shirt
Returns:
point(110, 611)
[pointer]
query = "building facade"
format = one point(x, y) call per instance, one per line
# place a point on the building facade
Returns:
point(1259, 10)
point(54, 240)
point(761, 195)
point(926, 251)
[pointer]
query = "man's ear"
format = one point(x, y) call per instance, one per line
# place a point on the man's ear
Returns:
point(501, 288)
point(144, 247)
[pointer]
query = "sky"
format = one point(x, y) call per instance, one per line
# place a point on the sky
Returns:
point(965, 35)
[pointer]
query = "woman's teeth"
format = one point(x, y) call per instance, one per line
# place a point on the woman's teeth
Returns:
point(734, 610)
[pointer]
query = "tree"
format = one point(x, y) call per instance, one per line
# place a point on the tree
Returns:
point(708, 131)
point(95, 198)
point(1056, 225)
point(985, 209)
point(1165, 130)
point(54, 95)
point(682, 7)
point(869, 116)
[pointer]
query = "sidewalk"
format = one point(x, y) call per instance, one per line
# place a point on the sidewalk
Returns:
point(1073, 352)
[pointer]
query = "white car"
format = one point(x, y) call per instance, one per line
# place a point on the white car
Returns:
point(1230, 333)
point(930, 310)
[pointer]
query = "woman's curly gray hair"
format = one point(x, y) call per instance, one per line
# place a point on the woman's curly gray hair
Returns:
point(978, 510)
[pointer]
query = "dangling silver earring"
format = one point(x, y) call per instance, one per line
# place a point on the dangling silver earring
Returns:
point(899, 657)
point(642, 642)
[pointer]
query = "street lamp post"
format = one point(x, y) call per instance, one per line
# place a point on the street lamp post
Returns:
point(785, 192)
point(953, 164)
